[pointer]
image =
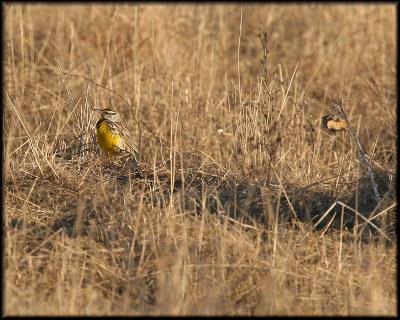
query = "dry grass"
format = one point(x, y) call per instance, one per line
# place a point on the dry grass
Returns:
point(221, 223)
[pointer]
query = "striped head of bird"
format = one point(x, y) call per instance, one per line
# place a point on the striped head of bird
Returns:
point(109, 114)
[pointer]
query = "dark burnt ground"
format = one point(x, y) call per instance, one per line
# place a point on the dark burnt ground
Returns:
point(80, 204)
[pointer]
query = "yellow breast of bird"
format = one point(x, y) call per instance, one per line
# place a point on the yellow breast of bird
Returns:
point(108, 142)
point(337, 125)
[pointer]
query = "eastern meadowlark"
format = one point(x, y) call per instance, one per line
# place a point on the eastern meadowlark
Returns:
point(113, 136)
point(334, 123)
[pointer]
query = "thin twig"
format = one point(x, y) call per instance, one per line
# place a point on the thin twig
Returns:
point(264, 42)
point(338, 107)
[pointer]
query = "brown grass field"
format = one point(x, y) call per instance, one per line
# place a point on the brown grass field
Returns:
point(240, 204)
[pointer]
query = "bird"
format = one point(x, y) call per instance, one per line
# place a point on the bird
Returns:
point(113, 136)
point(334, 123)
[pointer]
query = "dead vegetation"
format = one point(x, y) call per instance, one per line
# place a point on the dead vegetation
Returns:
point(242, 204)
